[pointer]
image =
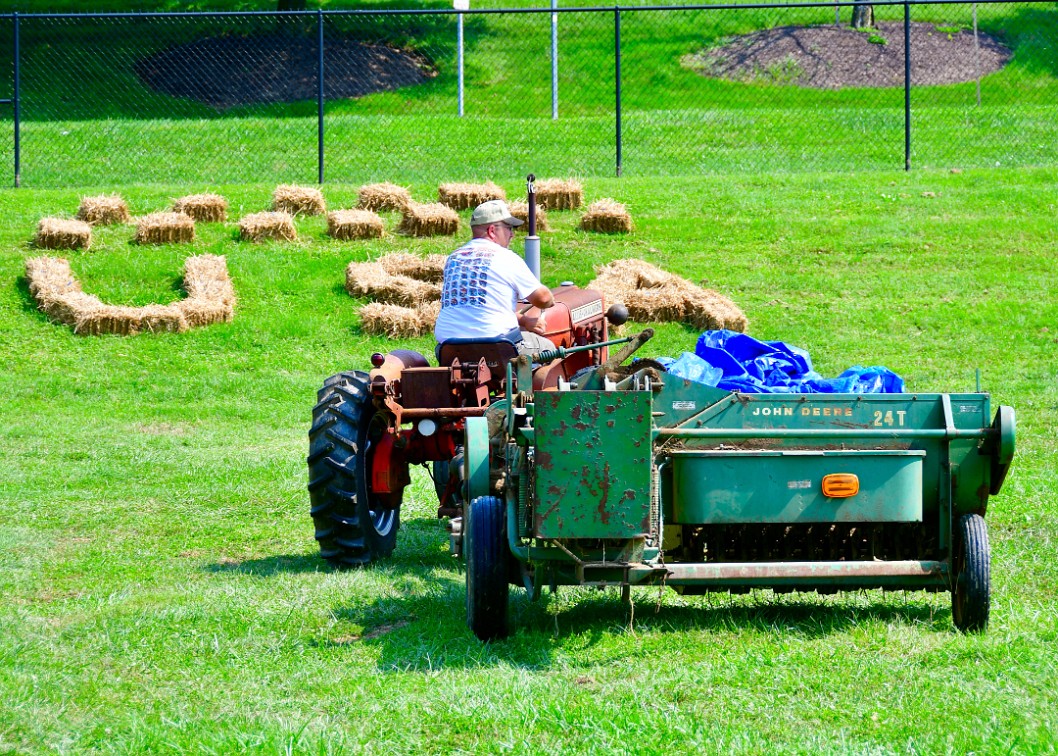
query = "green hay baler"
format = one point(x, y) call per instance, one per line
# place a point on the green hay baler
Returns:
point(632, 476)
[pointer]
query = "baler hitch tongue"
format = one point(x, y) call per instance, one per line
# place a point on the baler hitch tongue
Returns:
point(633, 346)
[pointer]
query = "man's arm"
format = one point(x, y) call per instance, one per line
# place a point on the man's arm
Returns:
point(541, 299)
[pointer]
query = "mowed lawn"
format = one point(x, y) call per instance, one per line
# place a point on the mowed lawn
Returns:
point(161, 586)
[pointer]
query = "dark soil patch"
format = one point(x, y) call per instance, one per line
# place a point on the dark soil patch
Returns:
point(833, 57)
point(229, 71)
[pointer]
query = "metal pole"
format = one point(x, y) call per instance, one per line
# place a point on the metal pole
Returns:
point(532, 241)
point(319, 93)
point(977, 58)
point(554, 61)
point(459, 40)
point(18, 110)
point(617, 78)
point(907, 86)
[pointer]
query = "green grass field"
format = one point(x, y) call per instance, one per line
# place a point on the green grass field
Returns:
point(162, 589)
point(89, 119)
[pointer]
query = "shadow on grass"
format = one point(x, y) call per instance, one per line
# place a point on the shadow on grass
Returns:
point(419, 621)
point(426, 630)
point(419, 549)
point(280, 564)
point(29, 304)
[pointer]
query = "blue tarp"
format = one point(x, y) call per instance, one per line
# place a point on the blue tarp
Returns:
point(735, 361)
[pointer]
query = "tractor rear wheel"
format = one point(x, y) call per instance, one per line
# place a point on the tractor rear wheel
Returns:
point(971, 579)
point(353, 525)
point(485, 546)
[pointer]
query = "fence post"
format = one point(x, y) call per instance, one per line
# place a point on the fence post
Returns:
point(554, 59)
point(15, 95)
point(319, 93)
point(617, 78)
point(907, 86)
point(459, 6)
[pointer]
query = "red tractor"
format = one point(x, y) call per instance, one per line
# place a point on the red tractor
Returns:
point(369, 428)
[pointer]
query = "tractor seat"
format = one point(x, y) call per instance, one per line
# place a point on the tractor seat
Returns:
point(496, 352)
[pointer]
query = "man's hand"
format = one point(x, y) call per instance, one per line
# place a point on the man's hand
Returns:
point(532, 320)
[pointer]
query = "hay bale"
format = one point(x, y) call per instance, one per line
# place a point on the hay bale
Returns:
point(56, 233)
point(654, 295)
point(206, 281)
point(464, 196)
point(354, 224)
point(433, 219)
point(606, 216)
point(384, 196)
point(430, 268)
point(103, 210)
point(408, 290)
point(165, 228)
point(59, 295)
point(520, 210)
point(398, 322)
point(211, 299)
point(295, 200)
point(559, 194)
point(260, 226)
point(204, 208)
point(50, 278)
point(371, 280)
point(129, 321)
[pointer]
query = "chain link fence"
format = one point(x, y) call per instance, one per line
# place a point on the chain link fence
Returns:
point(409, 96)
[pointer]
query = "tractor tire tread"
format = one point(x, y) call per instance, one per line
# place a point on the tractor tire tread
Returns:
point(348, 532)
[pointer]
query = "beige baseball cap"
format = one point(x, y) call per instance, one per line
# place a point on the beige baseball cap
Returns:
point(493, 211)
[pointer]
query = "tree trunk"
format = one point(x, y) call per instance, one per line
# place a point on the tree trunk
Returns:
point(862, 16)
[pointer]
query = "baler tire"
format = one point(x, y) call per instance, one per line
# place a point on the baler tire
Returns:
point(485, 546)
point(353, 526)
point(971, 578)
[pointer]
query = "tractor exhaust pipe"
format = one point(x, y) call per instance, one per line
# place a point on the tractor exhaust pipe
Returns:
point(532, 241)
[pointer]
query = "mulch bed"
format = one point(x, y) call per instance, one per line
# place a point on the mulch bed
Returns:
point(833, 57)
point(226, 72)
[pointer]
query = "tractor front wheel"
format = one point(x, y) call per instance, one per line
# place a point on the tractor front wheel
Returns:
point(971, 580)
point(485, 546)
point(353, 525)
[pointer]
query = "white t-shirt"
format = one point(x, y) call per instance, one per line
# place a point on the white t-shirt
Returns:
point(482, 285)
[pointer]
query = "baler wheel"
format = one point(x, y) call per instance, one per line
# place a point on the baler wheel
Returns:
point(353, 526)
point(485, 544)
point(971, 586)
